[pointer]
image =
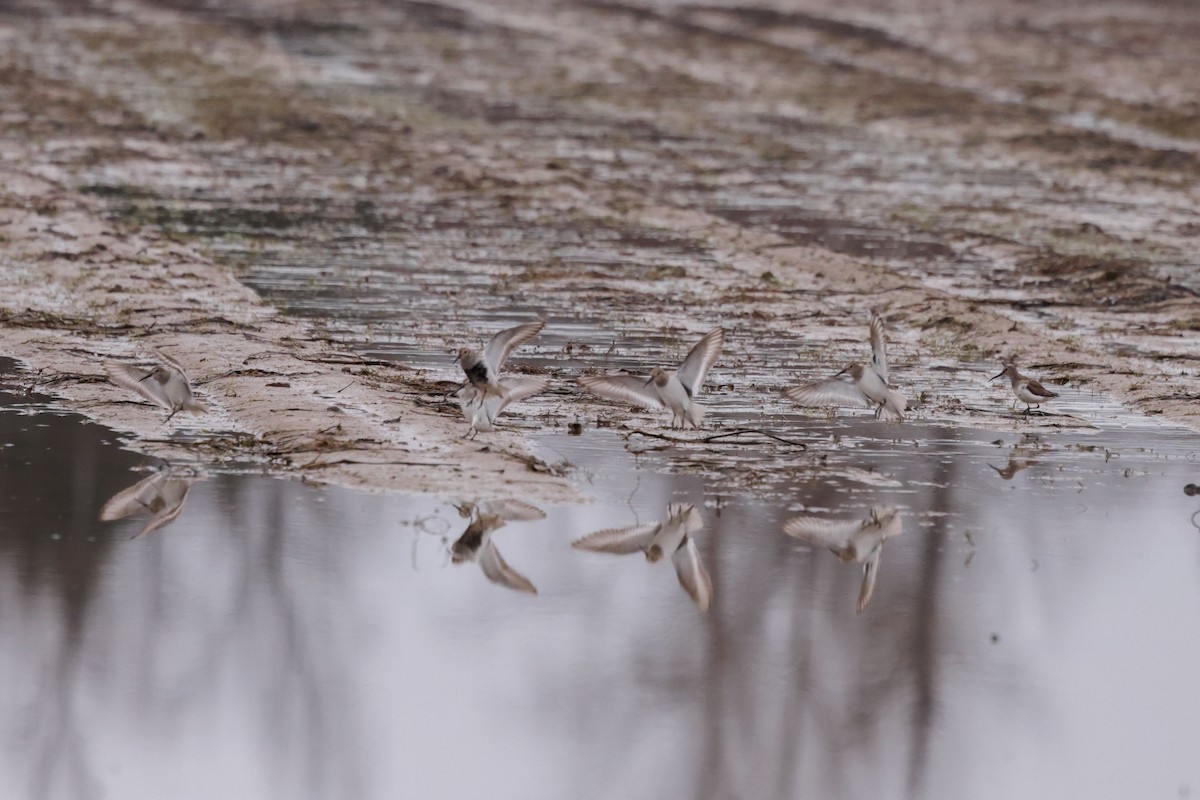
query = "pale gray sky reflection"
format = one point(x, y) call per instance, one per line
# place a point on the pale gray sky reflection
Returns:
point(1029, 636)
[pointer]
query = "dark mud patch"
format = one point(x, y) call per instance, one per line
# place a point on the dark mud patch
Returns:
point(1106, 281)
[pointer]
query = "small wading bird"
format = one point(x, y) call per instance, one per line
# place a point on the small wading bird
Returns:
point(665, 388)
point(656, 539)
point(868, 383)
point(162, 495)
point(166, 385)
point(481, 410)
point(476, 542)
point(1027, 390)
point(483, 368)
point(860, 541)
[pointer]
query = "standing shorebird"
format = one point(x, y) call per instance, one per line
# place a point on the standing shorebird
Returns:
point(481, 410)
point(483, 368)
point(860, 541)
point(166, 385)
point(162, 495)
point(868, 383)
point(665, 388)
point(476, 544)
point(1027, 390)
point(671, 537)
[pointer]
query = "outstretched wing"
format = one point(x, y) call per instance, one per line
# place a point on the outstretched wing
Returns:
point(619, 541)
point(830, 392)
point(832, 533)
point(170, 362)
point(520, 389)
point(693, 577)
point(623, 389)
point(511, 510)
point(700, 360)
point(504, 342)
point(870, 573)
point(878, 347)
point(134, 379)
point(133, 499)
point(498, 571)
point(167, 516)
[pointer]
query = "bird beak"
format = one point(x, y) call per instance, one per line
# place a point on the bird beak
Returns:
point(843, 372)
point(649, 381)
point(1001, 375)
point(151, 375)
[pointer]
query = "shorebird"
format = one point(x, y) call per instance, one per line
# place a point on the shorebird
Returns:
point(476, 544)
point(672, 536)
point(483, 368)
point(162, 494)
point(860, 541)
point(673, 389)
point(1027, 390)
point(868, 383)
point(166, 385)
point(481, 410)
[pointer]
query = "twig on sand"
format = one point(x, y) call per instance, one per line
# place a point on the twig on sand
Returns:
point(714, 437)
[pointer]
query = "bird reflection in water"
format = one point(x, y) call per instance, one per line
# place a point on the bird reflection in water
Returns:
point(476, 542)
point(1014, 466)
point(857, 540)
point(161, 495)
point(672, 536)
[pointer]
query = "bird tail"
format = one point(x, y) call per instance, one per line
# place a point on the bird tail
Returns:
point(694, 414)
point(195, 407)
point(894, 407)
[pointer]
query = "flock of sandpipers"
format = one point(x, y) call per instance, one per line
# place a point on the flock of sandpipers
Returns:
point(487, 392)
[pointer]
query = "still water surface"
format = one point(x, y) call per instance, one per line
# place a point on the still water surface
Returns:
point(1032, 632)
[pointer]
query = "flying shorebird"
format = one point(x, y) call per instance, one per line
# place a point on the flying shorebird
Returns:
point(483, 369)
point(665, 388)
point(868, 383)
point(860, 541)
point(1027, 390)
point(476, 544)
point(658, 539)
point(481, 411)
point(166, 385)
point(162, 494)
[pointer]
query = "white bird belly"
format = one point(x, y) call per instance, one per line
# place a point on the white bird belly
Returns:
point(873, 386)
point(674, 396)
point(1026, 396)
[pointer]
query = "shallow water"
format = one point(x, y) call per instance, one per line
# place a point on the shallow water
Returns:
point(1031, 632)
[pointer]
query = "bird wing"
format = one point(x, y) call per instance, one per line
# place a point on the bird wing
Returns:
point(503, 343)
point(619, 541)
point(498, 571)
point(133, 498)
point(1036, 388)
point(520, 389)
point(511, 510)
point(830, 392)
point(693, 577)
point(878, 347)
point(166, 517)
point(133, 378)
point(832, 533)
point(686, 515)
point(623, 388)
point(870, 572)
point(170, 362)
point(700, 360)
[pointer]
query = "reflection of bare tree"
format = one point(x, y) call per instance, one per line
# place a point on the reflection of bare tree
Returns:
point(161, 645)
